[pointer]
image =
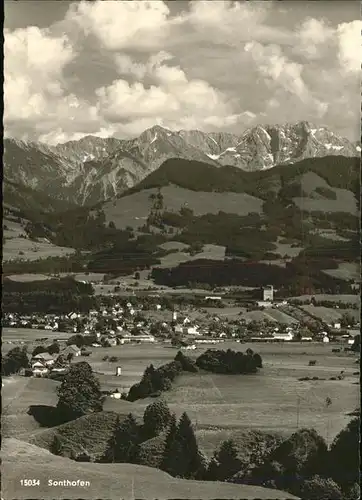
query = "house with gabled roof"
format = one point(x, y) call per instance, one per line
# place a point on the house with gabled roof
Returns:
point(43, 357)
point(39, 369)
point(71, 349)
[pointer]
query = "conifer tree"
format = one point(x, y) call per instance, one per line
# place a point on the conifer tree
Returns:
point(185, 451)
point(225, 462)
point(170, 452)
point(122, 444)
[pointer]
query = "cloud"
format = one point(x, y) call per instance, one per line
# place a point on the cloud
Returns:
point(33, 65)
point(349, 39)
point(122, 25)
point(36, 97)
point(171, 97)
point(119, 67)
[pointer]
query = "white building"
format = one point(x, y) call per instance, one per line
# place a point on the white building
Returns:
point(39, 369)
point(264, 303)
point(283, 336)
point(268, 293)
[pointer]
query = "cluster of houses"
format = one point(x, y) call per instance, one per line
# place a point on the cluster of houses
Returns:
point(127, 323)
point(42, 364)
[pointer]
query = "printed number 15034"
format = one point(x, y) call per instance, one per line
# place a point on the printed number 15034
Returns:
point(30, 482)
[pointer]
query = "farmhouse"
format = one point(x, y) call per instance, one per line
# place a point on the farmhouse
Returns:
point(44, 357)
point(71, 349)
point(39, 369)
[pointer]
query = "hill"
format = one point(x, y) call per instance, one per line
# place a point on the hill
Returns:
point(310, 206)
point(336, 171)
point(111, 481)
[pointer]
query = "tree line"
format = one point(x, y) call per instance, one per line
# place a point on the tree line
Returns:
point(47, 296)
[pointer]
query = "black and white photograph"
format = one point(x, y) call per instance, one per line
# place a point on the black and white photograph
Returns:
point(181, 250)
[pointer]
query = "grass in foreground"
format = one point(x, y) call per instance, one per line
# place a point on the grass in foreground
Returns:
point(112, 481)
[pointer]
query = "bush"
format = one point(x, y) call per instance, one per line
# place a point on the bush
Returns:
point(150, 452)
point(319, 488)
point(301, 455)
point(343, 457)
point(156, 418)
point(228, 362)
point(188, 364)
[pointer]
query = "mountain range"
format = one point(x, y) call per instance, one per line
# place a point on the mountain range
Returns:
point(93, 169)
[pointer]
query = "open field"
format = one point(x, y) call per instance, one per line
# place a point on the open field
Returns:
point(24, 278)
point(15, 248)
point(345, 271)
point(268, 401)
point(248, 401)
point(133, 210)
point(352, 299)
point(15, 335)
point(344, 202)
point(229, 401)
point(111, 481)
point(270, 314)
point(213, 252)
point(132, 358)
point(18, 395)
point(329, 314)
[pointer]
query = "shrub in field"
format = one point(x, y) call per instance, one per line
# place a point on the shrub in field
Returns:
point(188, 364)
point(320, 488)
point(228, 362)
point(225, 462)
point(14, 361)
point(156, 417)
point(302, 455)
point(343, 457)
point(79, 392)
point(154, 381)
point(150, 452)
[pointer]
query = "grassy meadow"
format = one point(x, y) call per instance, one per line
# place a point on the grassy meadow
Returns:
point(267, 401)
point(132, 210)
point(220, 406)
point(112, 481)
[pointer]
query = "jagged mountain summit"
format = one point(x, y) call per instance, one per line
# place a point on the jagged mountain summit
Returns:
point(93, 169)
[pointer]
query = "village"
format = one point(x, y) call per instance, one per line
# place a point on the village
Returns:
point(131, 322)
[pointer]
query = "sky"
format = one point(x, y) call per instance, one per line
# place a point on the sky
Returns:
point(116, 68)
